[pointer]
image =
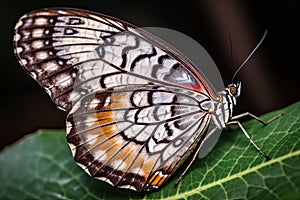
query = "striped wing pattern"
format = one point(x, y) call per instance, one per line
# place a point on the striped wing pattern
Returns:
point(72, 53)
point(136, 107)
point(135, 136)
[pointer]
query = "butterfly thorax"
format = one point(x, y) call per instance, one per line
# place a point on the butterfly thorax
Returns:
point(223, 107)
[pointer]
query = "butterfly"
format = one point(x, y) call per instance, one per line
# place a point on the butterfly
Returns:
point(137, 108)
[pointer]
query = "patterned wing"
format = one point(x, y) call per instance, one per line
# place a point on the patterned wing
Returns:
point(72, 53)
point(136, 136)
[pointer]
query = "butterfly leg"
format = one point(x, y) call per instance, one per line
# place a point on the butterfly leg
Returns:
point(234, 121)
point(206, 145)
point(187, 168)
point(249, 138)
point(257, 118)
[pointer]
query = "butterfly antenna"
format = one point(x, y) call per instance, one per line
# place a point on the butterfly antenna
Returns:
point(250, 55)
point(230, 51)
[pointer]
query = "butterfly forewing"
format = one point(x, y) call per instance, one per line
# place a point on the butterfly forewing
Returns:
point(134, 136)
point(72, 53)
point(53, 45)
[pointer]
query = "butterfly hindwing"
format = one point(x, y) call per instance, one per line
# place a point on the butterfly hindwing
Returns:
point(135, 135)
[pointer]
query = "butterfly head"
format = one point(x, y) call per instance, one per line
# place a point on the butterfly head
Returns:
point(235, 89)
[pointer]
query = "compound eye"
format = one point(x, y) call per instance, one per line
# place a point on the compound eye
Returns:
point(233, 90)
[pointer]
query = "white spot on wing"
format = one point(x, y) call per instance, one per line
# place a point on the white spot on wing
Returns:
point(73, 149)
point(44, 13)
point(74, 75)
point(41, 55)
point(40, 21)
point(100, 155)
point(178, 142)
point(64, 80)
point(62, 12)
point(94, 103)
point(17, 37)
point(89, 139)
point(68, 127)
point(19, 50)
point(107, 101)
point(38, 32)
point(119, 165)
point(128, 187)
point(20, 23)
point(37, 44)
point(23, 62)
point(33, 75)
point(50, 66)
point(90, 121)
point(138, 171)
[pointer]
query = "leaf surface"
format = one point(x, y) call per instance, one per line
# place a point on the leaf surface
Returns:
point(41, 166)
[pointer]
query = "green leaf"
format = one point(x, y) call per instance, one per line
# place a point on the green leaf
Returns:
point(41, 167)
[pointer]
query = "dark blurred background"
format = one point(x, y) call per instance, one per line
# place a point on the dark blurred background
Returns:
point(269, 80)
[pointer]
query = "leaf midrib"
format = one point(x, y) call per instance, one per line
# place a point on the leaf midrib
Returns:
point(234, 176)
